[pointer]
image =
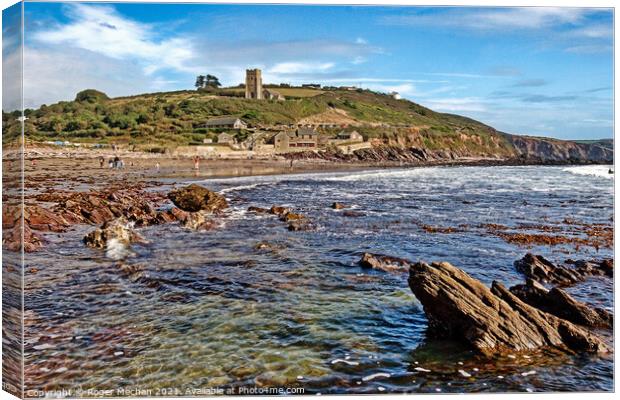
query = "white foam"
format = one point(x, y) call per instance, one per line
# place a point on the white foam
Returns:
point(116, 249)
point(340, 360)
point(377, 375)
point(600, 171)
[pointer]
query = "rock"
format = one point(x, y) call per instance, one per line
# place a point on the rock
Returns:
point(279, 210)
point(258, 210)
point(197, 198)
point(353, 214)
point(290, 216)
point(12, 239)
point(605, 267)
point(198, 221)
point(492, 320)
point(542, 270)
point(338, 206)
point(117, 230)
point(42, 219)
point(384, 263)
point(562, 305)
point(299, 225)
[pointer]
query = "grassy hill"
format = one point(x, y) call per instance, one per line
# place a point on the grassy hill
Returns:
point(178, 118)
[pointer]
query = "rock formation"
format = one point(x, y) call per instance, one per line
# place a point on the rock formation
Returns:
point(559, 303)
point(490, 320)
point(195, 198)
point(384, 263)
point(540, 269)
point(118, 229)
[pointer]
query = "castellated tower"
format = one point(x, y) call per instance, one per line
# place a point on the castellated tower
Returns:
point(253, 84)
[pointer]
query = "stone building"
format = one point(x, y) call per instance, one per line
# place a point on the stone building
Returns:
point(226, 123)
point(225, 138)
point(354, 136)
point(253, 84)
point(297, 140)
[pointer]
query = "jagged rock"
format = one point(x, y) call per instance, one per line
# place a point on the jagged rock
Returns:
point(258, 210)
point(542, 270)
point(117, 229)
point(279, 210)
point(492, 320)
point(299, 225)
point(353, 214)
point(198, 221)
point(338, 206)
point(384, 263)
point(562, 305)
point(291, 216)
point(12, 239)
point(197, 198)
point(605, 267)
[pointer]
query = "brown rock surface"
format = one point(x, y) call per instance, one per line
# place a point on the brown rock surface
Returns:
point(559, 303)
point(540, 269)
point(384, 263)
point(490, 320)
point(198, 198)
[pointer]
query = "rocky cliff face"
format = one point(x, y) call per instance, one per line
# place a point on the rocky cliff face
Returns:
point(558, 151)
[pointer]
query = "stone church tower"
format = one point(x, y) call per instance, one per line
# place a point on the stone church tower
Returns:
point(253, 84)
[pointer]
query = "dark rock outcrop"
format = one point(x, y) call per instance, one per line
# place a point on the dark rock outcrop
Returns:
point(198, 221)
point(279, 210)
point(540, 269)
point(338, 206)
point(198, 198)
point(559, 303)
point(384, 263)
point(492, 320)
point(258, 210)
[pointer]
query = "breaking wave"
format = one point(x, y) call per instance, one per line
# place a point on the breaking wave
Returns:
point(601, 171)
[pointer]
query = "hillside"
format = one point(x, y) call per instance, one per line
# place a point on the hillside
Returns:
point(166, 120)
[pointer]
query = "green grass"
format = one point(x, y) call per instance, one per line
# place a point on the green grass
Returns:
point(156, 120)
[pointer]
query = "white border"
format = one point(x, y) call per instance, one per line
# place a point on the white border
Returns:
point(483, 3)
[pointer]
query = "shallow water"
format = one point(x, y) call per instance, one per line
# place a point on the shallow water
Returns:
point(206, 309)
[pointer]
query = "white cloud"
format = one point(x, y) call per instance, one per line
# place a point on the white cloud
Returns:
point(460, 104)
point(100, 29)
point(51, 75)
point(300, 67)
point(495, 18)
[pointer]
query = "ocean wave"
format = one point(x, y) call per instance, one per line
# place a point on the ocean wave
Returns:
point(601, 171)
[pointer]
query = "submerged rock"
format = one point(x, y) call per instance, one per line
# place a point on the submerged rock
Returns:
point(198, 221)
point(490, 320)
point(384, 263)
point(291, 216)
point(117, 230)
point(559, 303)
point(279, 210)
point(197, 198)
point(299, 225)
point(338, 206)
point(540, 269)
point(258, 210)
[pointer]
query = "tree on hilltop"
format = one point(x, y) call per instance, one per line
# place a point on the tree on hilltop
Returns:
point(200, 82)
point(212, 81)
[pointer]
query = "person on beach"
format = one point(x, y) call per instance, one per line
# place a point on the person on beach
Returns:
point(101, 161)
point(196, 163)
point(117, 162)
point(110, 163)
point(157, 166)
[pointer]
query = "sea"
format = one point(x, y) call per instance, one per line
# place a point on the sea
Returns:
point(251, 307)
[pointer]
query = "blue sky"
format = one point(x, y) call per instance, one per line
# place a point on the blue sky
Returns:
point(539, 71)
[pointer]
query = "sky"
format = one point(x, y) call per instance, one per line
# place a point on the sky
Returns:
point(537, 71)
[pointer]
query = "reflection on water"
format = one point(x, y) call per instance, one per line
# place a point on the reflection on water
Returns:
point(204, 309)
